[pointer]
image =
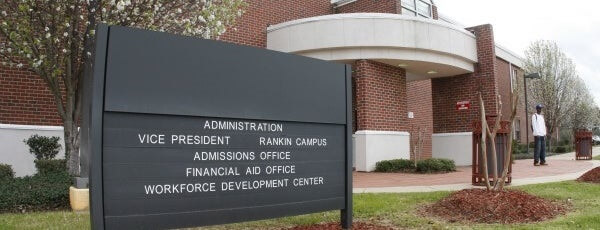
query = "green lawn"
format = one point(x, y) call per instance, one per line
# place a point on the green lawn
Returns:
point(387, 209)
point(597, 157)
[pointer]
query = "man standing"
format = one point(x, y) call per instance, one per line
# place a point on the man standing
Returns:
point(539, 136)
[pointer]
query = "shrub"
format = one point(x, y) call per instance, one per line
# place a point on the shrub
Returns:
point(51, 166)
point(562, 149)
point(564, 142)
point(423, 166)
point(43, 147)
point(35, 193)
point(397, 165)
point(435, 165)
point(519, 148)
point(6, 172)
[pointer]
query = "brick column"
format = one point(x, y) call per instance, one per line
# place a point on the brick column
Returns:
point(380, 96)
point(452, 126)
point(419, 103)
point(449, 90)
point(381, 113)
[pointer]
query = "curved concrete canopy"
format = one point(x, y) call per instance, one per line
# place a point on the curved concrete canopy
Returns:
point(425, 48)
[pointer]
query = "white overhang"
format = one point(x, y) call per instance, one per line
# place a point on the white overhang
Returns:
point(426, 48)
point(509, 56)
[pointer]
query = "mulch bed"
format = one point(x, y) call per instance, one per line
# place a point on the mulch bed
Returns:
point(481, 206)
point(337, 226)
point(592, 176)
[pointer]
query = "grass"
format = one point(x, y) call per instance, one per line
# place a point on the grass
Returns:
point(388, 209)
point(597, 157)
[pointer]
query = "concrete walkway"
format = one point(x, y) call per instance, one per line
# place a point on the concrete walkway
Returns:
point(561, 167)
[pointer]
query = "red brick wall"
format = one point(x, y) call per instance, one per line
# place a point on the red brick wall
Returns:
point(449, 90)
point(380, 96)
point(521, 116)
point(445, 93)
point(371, 6)
point(419, 101)
point(25, 99)
point(504, 88)
point(251, 27)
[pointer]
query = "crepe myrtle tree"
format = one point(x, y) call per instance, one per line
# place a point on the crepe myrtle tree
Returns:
point(55, 38)
point(490, 131)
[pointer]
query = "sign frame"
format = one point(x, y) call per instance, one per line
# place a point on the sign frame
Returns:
point(92, 126)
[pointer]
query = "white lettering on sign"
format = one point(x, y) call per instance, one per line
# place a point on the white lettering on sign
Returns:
point(159, 189)
point(229, 160)
point(463, 105)
point(275, 141)
point(280, 169)
point(252, 185)
point(311, 141)
point(152, 138)
point(224, 156)
point(243, 126)
point(199, 140)
point(215, 171)
point(307, 181)
point(274, 155)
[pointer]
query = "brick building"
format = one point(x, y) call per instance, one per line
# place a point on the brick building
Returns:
point(411, 67)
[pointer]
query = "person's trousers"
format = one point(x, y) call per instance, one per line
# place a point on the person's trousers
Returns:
point(539, 154)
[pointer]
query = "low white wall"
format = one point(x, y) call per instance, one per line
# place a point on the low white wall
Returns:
point(453, 146)
point(371, 147)
point(15, 152)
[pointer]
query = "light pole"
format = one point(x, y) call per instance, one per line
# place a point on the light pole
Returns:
point(532, 76)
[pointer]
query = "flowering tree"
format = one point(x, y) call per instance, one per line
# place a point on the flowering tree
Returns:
point(55, 38)
point(557, 88)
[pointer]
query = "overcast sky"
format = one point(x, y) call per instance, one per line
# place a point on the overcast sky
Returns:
point(573, 24)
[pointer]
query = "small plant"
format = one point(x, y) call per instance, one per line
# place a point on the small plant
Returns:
point(434, 165)
point(44, 148)
point(6, 172)
point(397, 165)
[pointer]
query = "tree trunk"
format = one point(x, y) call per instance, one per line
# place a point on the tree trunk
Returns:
point(484, 127)
point(71, 133)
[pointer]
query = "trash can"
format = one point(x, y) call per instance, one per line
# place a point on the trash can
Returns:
point(583, 145)
point(501, 151)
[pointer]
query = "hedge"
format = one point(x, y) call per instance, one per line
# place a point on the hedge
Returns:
point(35, 193)
point(432, 165)
point(397, 165)
point(51, 166)
point(6, 172)
point(563, 149)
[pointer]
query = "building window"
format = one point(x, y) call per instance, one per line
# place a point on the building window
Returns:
point(517, 127)
point(513, 78)
point(421, 8)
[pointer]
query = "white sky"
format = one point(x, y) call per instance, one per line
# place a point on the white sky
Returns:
point(573, 24)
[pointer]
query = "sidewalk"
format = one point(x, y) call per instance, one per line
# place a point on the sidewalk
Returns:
point(561, 167)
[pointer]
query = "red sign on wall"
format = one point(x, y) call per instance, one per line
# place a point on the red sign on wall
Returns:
point(463, 105)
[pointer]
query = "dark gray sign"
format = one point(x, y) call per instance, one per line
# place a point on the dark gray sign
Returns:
point(185, 132)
